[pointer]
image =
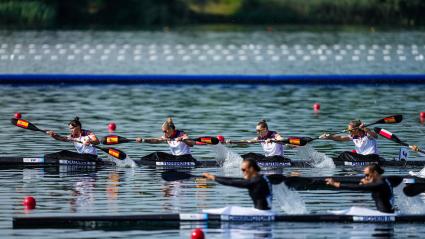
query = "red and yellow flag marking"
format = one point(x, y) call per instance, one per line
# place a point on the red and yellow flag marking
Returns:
point(295, 141)
point(22, 123)
point(206, 140)
point(390, 120)
point(114, 153)
point(112, 140)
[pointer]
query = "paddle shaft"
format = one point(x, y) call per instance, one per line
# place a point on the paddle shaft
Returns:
point(387, 120)
point(388, 135)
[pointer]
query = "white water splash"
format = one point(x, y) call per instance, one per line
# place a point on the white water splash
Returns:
point(408, 205)
point(289, 200)
point(126, 163)
point(226, 158)
point(317, 159)
point(420, 174)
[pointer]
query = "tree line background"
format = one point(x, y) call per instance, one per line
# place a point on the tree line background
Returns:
point(150, 13)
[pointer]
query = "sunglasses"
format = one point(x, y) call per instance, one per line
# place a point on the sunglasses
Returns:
point(367, 175)
point(260, 131)
point(244, 169)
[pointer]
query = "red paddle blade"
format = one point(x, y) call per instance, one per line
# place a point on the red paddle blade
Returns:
point(388, 135)
point(116, 153)
point(207, 140)
point(114, 139)
point(24, 124)
point(394, 119)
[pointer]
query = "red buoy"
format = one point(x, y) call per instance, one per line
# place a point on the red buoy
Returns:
point(220, 138)
point(29, 202)
point(198, 234)
point(316, 107)
point(422, 115)
point(112, 127)
point(18, 115)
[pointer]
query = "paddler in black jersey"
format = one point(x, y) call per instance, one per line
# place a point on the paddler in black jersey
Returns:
point(381, 188)
point(259, 186)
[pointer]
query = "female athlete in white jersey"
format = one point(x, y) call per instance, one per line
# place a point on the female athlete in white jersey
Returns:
point(178, 142)
point(364, 141)
point(83, 141)
point(273, 151)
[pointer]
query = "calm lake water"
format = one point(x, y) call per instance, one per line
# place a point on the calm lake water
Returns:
point(231, 111)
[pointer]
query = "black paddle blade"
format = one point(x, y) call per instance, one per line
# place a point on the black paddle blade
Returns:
point(207, 140)
point(394, 119)
point(24, 124)
point(388, 135)
point(414, 189)
point(116, 153)
point(394, 180)
point(114, 139)
point(173, 175)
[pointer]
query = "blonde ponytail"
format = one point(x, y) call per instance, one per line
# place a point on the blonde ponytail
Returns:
point(169, 124)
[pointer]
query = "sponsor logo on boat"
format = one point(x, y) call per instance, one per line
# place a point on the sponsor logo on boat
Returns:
point(245, 218)
point(193, 216)
point(274, 164)
point(359, 163)
point(33, 160)
point(76, 162)
point(175, 164)
point(374, 218)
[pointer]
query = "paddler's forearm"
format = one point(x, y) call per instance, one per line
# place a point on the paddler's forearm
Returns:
point(154, 140)
point(60, 138)
point(189, 142)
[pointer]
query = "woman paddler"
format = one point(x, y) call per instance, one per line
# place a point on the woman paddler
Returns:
point(83, 141)
point(178, 142)
point(381, 188)
point(259, 186)
point(273, 151)
point(364, 140)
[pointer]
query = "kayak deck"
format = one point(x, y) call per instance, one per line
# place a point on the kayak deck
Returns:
point(164, 220)
point(48, 162)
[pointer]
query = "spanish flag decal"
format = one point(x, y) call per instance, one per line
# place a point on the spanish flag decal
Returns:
point(206, 140)
point(22, 123)
point(390, 120)
point(114, 153)
point(112, 139)
point(295, 141)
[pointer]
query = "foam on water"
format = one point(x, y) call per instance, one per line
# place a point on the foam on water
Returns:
point(126, 163)
point(289, 200)
point(317, 159)
point(408, 205)
point(226, 158)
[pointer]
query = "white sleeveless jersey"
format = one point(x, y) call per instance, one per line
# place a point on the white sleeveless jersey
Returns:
point(271, 149)
point(81, 148)
point(179, 148)
point(365, 145)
